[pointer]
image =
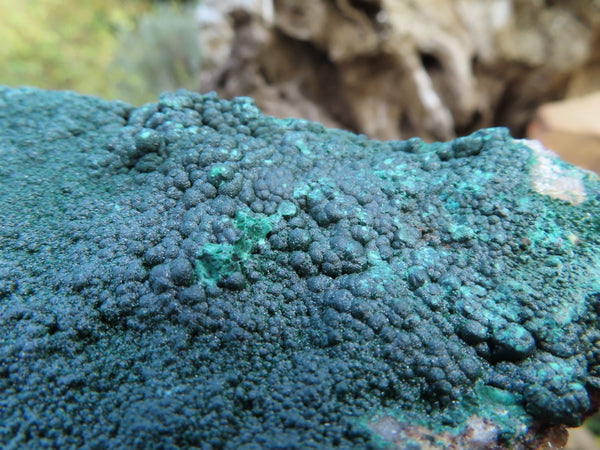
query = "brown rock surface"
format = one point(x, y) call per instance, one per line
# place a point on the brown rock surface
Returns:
point(572, 129)
point(581, 439)
point(396, 69)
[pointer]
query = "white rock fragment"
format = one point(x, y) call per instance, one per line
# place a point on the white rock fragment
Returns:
point(555, 178)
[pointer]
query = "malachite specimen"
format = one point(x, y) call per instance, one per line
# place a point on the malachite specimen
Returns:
point(193, 274)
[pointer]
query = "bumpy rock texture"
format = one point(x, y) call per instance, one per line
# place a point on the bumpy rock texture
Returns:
point(193, 273)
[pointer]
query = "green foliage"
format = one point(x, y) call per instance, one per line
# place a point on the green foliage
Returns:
point(128, 50)
point(59, 44)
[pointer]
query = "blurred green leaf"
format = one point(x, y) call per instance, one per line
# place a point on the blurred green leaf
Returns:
point(60, 44)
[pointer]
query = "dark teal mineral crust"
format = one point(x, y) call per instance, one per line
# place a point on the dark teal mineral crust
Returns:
point(192, 273)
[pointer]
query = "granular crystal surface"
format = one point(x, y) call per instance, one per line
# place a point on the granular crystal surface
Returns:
point(193, 274)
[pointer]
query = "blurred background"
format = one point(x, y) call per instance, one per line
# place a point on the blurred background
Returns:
point(387, 68)
point(391, 69)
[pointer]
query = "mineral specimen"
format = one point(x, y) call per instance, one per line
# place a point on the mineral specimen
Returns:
point(192, 273)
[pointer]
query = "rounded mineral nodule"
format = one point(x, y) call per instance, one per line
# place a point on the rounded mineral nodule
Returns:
point(512, 343)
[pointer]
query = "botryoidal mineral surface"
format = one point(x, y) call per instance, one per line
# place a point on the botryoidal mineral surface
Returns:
point(194, 274)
